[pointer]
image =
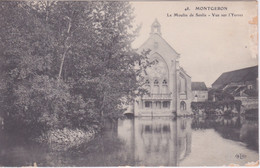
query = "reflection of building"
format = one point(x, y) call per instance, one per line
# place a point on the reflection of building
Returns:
point(157, 141)
point(169, 86)
point(199, 92)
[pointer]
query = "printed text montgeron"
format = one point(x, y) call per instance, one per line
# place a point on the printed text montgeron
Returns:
point(211, 8)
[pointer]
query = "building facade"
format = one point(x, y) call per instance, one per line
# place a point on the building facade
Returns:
point(199, 92)
point(169, 86)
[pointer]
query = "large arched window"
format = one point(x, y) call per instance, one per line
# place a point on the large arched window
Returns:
point(183, 105)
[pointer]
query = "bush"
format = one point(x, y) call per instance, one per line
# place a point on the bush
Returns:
point(211, 107)
point(48, 104)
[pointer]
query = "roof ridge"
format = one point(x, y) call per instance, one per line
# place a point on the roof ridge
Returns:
point(241, 69)
point(238, 75)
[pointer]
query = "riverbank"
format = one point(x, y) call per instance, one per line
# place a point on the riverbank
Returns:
point(63, 139)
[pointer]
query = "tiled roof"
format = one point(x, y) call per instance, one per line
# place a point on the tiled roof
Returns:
point(241, 75)
point(198, 86)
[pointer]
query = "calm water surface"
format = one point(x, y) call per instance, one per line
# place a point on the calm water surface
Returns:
point(213, 141)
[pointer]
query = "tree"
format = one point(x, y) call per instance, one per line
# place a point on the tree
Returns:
point(67, 64)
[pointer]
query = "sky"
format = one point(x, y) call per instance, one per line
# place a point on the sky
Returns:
point(208, 46)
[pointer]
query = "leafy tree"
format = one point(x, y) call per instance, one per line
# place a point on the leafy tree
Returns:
point(67, 64)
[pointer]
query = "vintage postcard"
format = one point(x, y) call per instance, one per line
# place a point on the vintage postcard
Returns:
point(128, 83)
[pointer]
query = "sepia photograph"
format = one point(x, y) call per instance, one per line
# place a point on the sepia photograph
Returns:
point(129, 83)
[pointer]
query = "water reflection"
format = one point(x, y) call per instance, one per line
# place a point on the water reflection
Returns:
point(233, 128)
point(156, 141)
point(159, 141)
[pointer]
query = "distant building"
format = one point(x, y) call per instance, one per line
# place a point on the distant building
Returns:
point(242, 84)
point(168, 84)
point(199, 92)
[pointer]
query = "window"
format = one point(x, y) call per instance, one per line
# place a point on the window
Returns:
point(164, 87)
point(148, 128)
point(183, 105)
point(250, 86)
point(183, 84)
point(147, 104)
point(158, 104)
point(156, 82)
point(166, 104)
point(147, 86)
point(147, 82)
point(164, 82)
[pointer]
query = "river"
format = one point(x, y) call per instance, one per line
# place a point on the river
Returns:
point(158, 141)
